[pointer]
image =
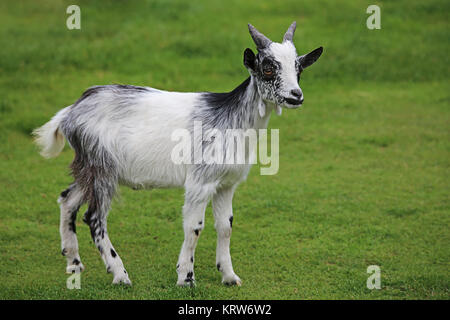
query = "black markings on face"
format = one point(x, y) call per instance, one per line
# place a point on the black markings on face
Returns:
point(268, 77)
point(64, 251)
point(113, 253)
point(192, 259)
point(231, 222)
point(99, 247)
point(108, 270)
point(200, 223)
point(299, 69)
point(125, 271)
point(76, 262)
point(268, 69)
point(197, 231)
point(218, 267)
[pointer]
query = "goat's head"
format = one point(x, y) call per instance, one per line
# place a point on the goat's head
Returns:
point(276, 68)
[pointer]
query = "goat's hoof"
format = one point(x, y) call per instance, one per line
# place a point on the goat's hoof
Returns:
point(233, 280)
point(74, 268)
point(188, 282)
point(122, 279)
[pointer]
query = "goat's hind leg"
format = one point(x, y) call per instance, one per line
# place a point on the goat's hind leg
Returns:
point(70, 201)
point(95, 217)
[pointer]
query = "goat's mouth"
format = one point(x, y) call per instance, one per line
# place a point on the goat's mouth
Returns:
point(293, 103)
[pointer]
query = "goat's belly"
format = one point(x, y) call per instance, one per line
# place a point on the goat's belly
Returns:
point(147, 163)
point(154, 175)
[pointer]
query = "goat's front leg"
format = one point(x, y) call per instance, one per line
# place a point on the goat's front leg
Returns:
point(223, 215)
point(193, 224)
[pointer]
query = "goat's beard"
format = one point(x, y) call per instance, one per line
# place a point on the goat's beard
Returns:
point(262, 107)
point(278, 109)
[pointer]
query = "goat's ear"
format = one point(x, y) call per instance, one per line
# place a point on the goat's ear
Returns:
point(249, 59)
point(308, 59)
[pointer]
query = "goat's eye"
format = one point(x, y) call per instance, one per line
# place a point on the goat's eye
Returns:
point(268, 72)
point(268, 69)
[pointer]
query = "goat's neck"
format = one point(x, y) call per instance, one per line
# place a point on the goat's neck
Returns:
point(257, 110)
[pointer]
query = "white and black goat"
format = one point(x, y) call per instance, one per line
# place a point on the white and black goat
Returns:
point(121, 134)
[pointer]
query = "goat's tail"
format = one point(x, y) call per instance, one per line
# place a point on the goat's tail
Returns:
point(49, 137)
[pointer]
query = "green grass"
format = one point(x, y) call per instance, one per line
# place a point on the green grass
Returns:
point(364, 166)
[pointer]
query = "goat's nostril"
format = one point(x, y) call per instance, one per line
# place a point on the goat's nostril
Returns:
point(296, 93)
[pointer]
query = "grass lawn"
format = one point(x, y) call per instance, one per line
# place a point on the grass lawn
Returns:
point(364, 165)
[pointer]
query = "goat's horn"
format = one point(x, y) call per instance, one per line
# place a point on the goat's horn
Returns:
point(260, 40)
point(289, 35)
